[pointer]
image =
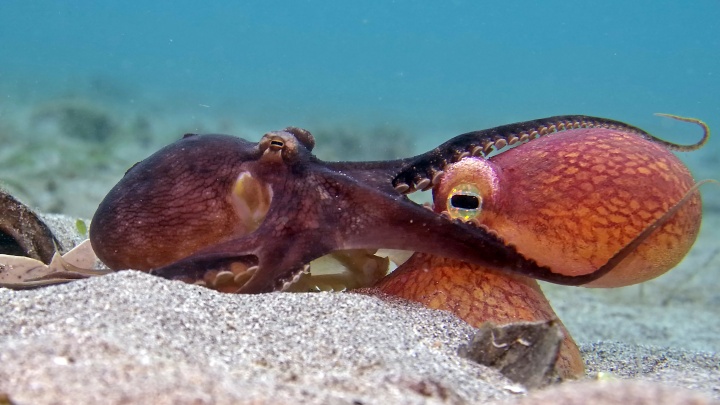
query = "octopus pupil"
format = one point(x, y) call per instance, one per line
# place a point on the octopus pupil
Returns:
point(276, 143)
point(464, 201)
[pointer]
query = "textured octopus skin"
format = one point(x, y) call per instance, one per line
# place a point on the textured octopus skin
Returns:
point(573, 199)
point(478, 294)
point(192, 208)
point(569, 200)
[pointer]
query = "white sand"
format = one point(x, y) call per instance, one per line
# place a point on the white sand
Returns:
point(137, 338)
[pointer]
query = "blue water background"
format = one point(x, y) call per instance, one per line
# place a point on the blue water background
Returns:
point(434, 69)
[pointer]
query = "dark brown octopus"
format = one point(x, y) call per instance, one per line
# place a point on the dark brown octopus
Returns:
point(258, 213)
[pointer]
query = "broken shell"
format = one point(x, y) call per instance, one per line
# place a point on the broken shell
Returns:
point(22, 232)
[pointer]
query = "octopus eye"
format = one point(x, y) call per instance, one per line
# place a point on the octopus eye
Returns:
point(464, 202)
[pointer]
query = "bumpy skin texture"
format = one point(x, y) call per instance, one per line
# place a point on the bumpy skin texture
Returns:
point(570, 200)
point(188, 211)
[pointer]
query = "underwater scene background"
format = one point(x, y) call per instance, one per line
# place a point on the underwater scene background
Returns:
point(88, 88)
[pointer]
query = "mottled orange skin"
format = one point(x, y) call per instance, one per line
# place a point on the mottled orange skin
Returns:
point(570, 201)
point(477, 295)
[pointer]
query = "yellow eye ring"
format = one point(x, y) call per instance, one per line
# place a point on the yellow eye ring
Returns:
point(464, 202)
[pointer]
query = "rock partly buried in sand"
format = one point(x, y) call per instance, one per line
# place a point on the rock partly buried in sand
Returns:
point(22, 232)
point(525, 352)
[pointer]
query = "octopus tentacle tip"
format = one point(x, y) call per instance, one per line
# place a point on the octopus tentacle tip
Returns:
point(690, 147)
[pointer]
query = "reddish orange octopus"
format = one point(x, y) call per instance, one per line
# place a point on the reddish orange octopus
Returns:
point(569, 200)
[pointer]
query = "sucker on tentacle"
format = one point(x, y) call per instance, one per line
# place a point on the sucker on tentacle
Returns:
point(417, 172)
